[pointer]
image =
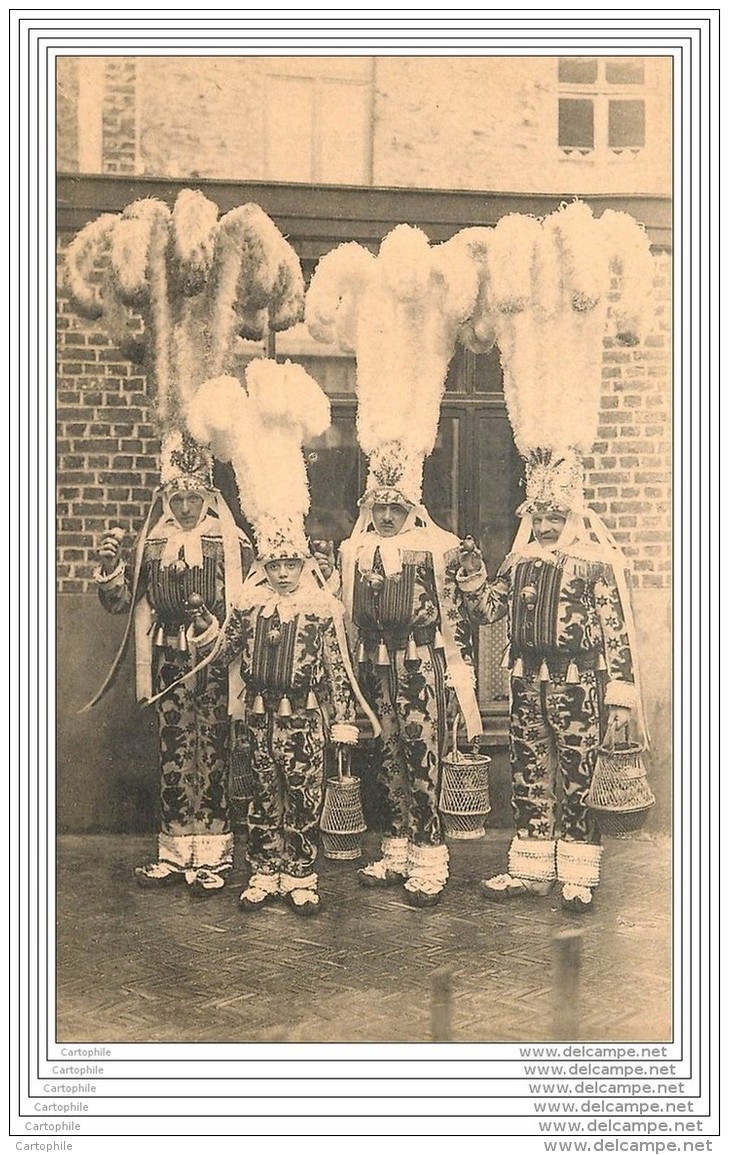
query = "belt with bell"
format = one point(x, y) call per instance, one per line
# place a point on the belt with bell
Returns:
point(283, 703)
point(421, 635)
point(559, 665)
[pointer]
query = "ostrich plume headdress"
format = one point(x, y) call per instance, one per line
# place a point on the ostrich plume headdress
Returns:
point(399, 313)
point(548, 299)
point(176, 289)
point(260, 427)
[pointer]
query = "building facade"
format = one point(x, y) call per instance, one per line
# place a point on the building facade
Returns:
point(339, 149)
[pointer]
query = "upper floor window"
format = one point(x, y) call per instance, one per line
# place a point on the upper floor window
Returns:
point(601, 105)
point(318, 120)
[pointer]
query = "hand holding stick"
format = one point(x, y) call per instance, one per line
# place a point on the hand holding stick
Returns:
point(109, 550)
point(470, 556)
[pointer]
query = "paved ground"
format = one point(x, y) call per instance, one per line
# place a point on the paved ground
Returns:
point(142, 966)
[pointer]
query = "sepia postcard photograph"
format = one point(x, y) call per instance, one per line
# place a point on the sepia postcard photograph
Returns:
point(364, 467)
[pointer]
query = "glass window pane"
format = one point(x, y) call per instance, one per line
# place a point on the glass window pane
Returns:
point(577, 70)
point(474, 372)
point(626, 124)
point(335, 471)
point(498, 473)
point(625, 70)
point(487, 373)
point(328, 364)
point(441, 476)
point(576, 124)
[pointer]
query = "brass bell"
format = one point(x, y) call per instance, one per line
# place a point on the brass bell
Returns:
point(259, 706)
point(312, 702)
point(544, 674)
point(411, 651)
point(284, 708)
point(517, 670)
point(182, 640)
point(438, 643)
point(361, 653)
point(601, 664)
point(573, 677)
point(383, 658)
point(506, 657)
point(529, 596)
point(377, 583)
point(159, 637)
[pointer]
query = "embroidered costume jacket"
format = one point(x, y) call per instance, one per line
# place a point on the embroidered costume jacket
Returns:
point(561, 609)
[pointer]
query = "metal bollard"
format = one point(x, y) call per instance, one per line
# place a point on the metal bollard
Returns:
point(567, 944)
point(440, 1007)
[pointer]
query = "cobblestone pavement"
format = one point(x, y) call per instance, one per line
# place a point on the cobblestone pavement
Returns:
point(136, 965)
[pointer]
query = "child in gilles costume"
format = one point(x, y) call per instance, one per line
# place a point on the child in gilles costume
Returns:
point(199, 281)
point(286, 635)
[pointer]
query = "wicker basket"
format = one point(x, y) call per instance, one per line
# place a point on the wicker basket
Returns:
point(240, 780)
point(342, 820)
point(464, 801)
point(619, 793)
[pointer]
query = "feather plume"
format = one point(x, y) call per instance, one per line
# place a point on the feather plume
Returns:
point(85, 255)
point(511, 257)
point(544, 288)
point(585, 274)
point(331, 307)
point(629, 251)
point(405, 263)
point(130, 247)
point(477, 331)
point(260, 428)
point(194, 218)
point(399, 313)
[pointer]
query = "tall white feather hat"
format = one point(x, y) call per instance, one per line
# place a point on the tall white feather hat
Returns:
point(399, 313)
point(549, 292)
point(260, 427)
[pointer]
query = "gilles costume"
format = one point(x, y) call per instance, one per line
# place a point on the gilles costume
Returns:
point(399, 313)
point(199, 282)
point(571, 652)
point(289, 649)
point(571, 656)
point(195, 840)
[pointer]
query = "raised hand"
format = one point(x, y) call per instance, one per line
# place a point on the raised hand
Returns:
point(323, 554)
point(470, 556)
point(198, 614)
point(109, 550)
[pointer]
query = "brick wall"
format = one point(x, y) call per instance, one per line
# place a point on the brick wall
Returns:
point(119, 115)
point(629, 475)
point(106, 449)
point(67, 114)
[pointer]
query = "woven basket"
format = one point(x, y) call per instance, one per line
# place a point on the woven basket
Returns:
point(464, 801)
point(240, 779)
point(619, 793)
point(342, 819)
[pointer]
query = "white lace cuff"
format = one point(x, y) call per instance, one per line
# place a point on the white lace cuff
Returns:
point(206, 638)
point(345, 732)
point(621, 694)
point(471, 583)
